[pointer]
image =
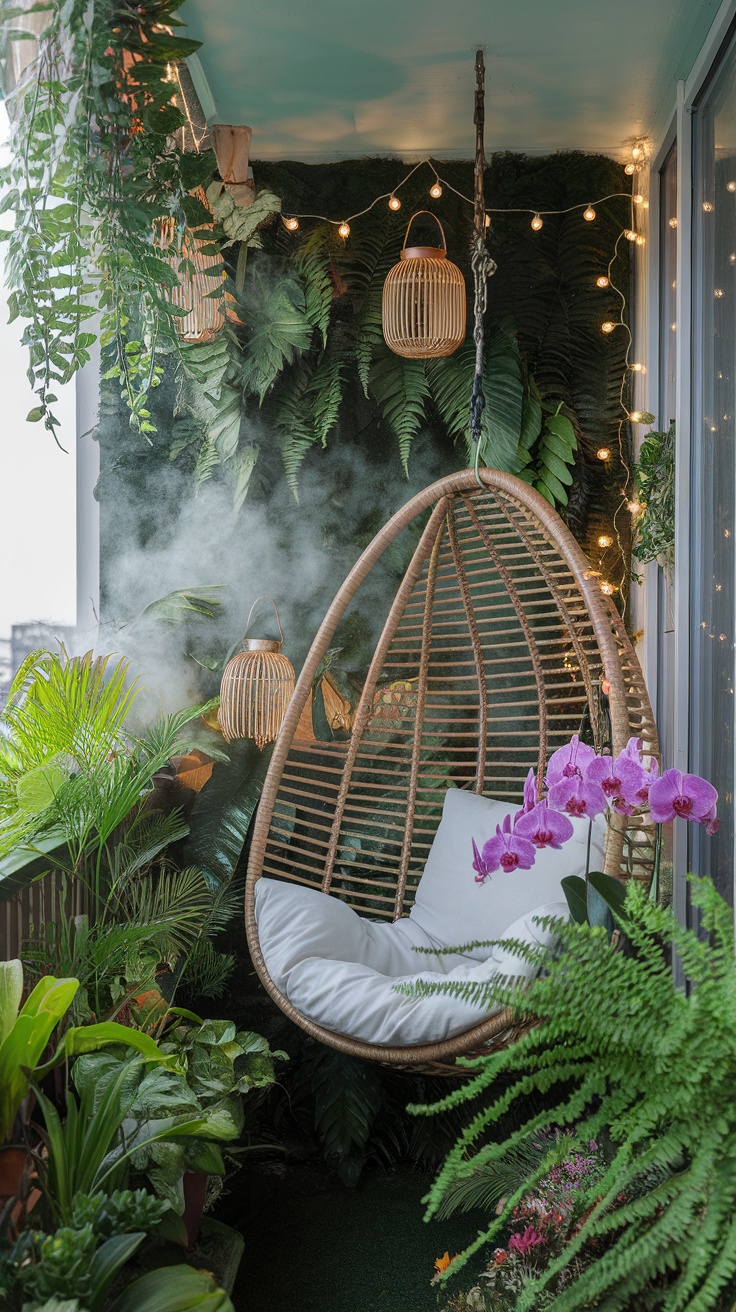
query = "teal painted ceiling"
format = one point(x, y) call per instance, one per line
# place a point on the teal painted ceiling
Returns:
point(320, 79)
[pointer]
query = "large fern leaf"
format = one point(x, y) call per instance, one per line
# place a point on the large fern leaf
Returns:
point(400, 388)
point(274, 309)
point(314, 260)
point(306, 409)
point(371, 257)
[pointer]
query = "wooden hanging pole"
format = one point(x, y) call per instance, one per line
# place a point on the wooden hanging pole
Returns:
point(482, 264)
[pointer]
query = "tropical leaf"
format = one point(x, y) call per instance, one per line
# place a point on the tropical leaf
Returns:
point(372, 253)
point(221, 816)
point(346, 1095)
point(400, 388)
point(307, 407)
point(278, 328)
point(314, 260)
point(241, 223)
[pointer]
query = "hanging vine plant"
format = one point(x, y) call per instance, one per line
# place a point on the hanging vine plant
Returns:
point(654, 476)
point(94, 169)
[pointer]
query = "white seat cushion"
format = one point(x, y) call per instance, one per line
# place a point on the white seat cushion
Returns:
point(351, 998)
point(339, 969)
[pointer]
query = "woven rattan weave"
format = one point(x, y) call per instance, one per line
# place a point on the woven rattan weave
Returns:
point(501, 642)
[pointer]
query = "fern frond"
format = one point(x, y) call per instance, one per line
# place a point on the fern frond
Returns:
point(314, 259)
point(400, 388)
point(307, 408)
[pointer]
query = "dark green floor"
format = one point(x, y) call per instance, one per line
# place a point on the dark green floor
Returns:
point(313, 1246)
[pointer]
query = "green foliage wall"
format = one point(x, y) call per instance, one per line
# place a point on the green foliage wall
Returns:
point(340, 418)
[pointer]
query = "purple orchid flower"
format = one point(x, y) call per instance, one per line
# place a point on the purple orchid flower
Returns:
point(545, 827)
point(482, 872)
point(508, 850)
point(575, 796)
point(569, 762)
point(685, 795)
point(625, 781)
point(530, 796)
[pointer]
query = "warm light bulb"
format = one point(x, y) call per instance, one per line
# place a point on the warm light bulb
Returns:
point(435, 191)
point(602, 281)
point(607, 588)
point(732, 258)
point(640, 240)
point(708, 207)
point(608, 326)
point(672, 223)
point(603, 453)
point(629, 168)
point(589, 214)
point(630, 235)
point(731, 186)
point(344, 230)
point(635, 416)
point(638, 200)
point(637, 368)
point(394, 203)
point(635, 152)
point(604, 541)
point(633, 507)
point(537, 222)
point(718, 293)
point(291, 224)
point(488, 220)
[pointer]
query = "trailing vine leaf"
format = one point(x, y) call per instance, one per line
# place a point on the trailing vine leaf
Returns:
point(94, 167)
point(306, 409)
point(401, 390)
point(242, 223)
point(278, 328)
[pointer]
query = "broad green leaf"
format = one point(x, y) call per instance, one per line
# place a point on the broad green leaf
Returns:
point(173, 1289)
point(11, 993)
point(576, 894)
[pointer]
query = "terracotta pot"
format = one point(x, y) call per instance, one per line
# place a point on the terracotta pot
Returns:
point(195, 1188)
point(17, 1176)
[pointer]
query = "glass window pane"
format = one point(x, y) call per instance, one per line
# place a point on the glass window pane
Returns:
point(714, 470)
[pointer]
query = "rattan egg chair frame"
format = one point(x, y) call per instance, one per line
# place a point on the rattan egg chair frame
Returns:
point(497, 645)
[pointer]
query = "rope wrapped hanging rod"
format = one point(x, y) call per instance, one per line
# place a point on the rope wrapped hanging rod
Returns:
point(482, 265)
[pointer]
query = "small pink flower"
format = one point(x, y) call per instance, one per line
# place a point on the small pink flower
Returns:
point(569, 762)
point(545, 827)
point(685, 795)
point(529, 1239)
point(507, 850)
point(577, 797)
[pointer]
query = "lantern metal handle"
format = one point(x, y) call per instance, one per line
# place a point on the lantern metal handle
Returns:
point(432, 216)
point(265, 597)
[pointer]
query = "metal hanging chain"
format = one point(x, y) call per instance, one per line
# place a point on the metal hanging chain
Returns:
point(481, 263)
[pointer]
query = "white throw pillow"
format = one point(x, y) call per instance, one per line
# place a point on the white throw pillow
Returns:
point(454, 911)
point(350, 998)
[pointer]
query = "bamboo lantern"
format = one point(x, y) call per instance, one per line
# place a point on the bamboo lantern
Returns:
point(256, 688)
point(424, 301)
point(204, 314)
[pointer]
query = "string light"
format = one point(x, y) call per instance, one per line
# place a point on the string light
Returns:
point(344, 230)
point(708, 207)
point(608, 326)
point(435, 191)
point(602, 281)
point(640, 240)
point(718, 293)
point(291, 224)
point(634, 507)
point(673, 223)
point(638, 200)
point(537, 222)
point(630, 168)
point(635, 152)
point(634, 416)
point(637, 368)
point(604, 541)
point(731, 186)
point(630, 235)
point(607, 588)
point(603, 453)
point(394, 203)
point(589, 214)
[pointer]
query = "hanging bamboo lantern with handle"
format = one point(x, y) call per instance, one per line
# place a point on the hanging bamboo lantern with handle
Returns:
point(256, 688)
point(424, 301)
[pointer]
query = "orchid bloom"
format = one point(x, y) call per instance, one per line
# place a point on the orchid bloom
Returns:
point(569, 762)
point(508, 850)
point(545, 827)
point(625, 780)
point(482, 872)
point(684, 795)
point(576, 797)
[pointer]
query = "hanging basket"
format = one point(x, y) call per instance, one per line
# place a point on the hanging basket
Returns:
point(204, 315)
point(256, 688)
point(424, 301)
